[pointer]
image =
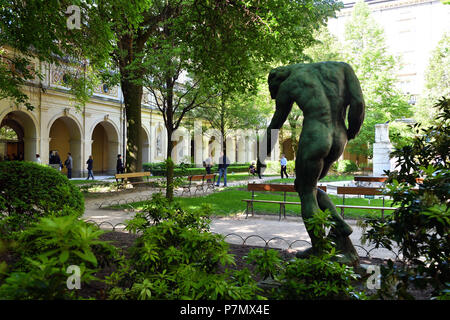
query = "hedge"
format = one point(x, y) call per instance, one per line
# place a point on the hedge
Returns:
point(345, 166)
point(29, 190)
point(159, 169)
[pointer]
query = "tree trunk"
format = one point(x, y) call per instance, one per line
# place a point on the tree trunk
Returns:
point(132, 97)
point(222, 126)
point(170, 166)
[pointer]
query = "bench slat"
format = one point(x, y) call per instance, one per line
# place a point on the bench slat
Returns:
point(275, 187)
point(360, 191)
point(365, 207)
point(264, 201)
point(132, 175)
point(196, 178)
point(377, 179)
point(369, 179)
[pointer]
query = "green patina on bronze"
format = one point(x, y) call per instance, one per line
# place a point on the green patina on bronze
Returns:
point(323, 91)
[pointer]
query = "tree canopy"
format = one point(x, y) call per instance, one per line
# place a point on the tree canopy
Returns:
point(38, 29)
point(228, 43)
point(366, 51)
point(437, 81)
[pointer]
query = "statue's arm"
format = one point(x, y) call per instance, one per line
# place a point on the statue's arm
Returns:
point(356, 101)
point(282, 110)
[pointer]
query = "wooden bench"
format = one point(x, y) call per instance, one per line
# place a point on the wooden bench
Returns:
point(361, 179)
point(207, 182)
point(254, 187)
point(362, 191)
point(265, 187)
point(126, 176)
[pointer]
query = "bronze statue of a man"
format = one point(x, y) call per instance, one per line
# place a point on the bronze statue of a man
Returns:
point(323, 91)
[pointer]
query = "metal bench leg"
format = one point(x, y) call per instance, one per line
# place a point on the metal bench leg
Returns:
point(282, 209)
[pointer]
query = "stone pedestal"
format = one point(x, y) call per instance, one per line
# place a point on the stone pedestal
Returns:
point(381, 150)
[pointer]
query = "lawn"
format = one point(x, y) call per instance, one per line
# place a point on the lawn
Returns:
point(329, 178)
point(231, 177)
point(79, 182)
point(229, 202)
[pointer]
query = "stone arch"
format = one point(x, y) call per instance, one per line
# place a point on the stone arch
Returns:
point(105, 146)
point(160, 141)
point(65, 136)
point(181, 139)
point(145, 145)
point(25, 126)
point(240, 147)
point(214, 141)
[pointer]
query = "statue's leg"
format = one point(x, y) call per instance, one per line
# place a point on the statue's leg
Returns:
point(341, 227)
point(336, 150)
point(315, 143)
point(339, 234)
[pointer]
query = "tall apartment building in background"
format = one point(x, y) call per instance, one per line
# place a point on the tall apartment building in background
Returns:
point(412, 30)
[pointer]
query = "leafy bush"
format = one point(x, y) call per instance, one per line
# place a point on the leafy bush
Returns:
point(344, 166)
point(47, 249)
point(182, 169)
point(316, 278)
point(29, 191)
point(176, 257)
point(420, 226)
point(273, 167)
point(320, 276)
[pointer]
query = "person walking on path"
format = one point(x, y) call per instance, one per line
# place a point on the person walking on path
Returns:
point(58, 160)
point(208, 164)
point(259, 167)
point(224, 162)
point(283, 163)
point(55, 160)
point(252, 169)
point(119, 165)
point(69, 164)
point(90, 166)
point(38, 158)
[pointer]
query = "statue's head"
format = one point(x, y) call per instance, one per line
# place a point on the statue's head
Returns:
point(276, 77)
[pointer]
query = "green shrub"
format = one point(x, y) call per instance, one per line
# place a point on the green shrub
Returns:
point(319, 277)
point(274, 167)
point(344, 166)
point(176, 257)
point(67, 238)
point(47, 249)
point(420, 226)
point(29, 191)
point(182, 169)
point(315, 278)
